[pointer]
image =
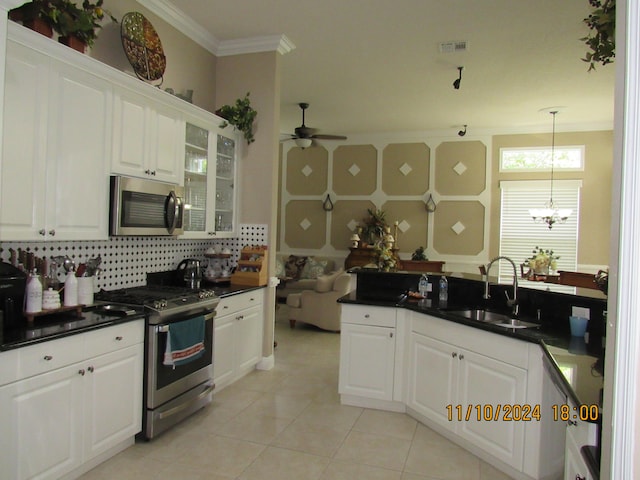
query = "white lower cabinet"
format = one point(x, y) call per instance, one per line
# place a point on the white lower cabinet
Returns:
point(58, 421)
point(237, 337)
point(468, 393)
point(579, 433)
point(370, 367)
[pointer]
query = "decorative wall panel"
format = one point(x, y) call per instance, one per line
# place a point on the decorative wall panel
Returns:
point(307, 171)
point(459, 228)
point(306, 224)
point(345, 217)
point(412, 221)
point(405, 169)
point(461, 168)
point(354, 170)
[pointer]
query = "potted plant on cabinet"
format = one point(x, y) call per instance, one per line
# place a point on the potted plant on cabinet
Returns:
point(76, 25)
point(240, 115)
point(33, 15)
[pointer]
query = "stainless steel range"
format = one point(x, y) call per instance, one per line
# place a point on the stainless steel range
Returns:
point(171, 393)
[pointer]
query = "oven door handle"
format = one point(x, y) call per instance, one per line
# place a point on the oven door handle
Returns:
point(179, 408)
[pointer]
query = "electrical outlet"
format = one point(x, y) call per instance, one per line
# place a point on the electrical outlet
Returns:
point(580, 312)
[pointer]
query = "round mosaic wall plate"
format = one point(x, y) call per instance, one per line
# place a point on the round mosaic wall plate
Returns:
point(142, 46)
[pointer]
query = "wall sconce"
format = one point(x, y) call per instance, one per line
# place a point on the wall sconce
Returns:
point(430, 204)
point(456, 83)
point(327, 205)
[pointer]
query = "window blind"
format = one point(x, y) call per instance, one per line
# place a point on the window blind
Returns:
point(519, 234)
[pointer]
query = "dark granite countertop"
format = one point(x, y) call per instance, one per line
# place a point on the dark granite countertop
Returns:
point(63, 324)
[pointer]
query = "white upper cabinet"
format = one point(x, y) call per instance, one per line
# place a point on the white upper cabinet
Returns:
point(56, 144)
point(147, 138)
point(209, 178)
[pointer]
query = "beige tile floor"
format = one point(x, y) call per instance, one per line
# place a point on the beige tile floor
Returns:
point(288, 423)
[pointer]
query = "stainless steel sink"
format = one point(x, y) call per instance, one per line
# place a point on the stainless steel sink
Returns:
point(493, 318)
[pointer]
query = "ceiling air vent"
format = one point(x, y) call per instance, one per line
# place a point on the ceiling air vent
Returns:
point(453, 47)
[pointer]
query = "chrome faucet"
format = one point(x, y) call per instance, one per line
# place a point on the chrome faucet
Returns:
point(512, 302)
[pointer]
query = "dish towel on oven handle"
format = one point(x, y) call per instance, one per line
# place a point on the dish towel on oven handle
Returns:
point(185, 342)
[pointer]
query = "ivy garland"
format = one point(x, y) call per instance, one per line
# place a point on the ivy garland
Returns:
point(602, 40)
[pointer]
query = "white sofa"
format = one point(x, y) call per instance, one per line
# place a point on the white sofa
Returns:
point(309, 267)
point(319, 305)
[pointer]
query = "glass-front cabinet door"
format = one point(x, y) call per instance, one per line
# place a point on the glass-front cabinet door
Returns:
point(225, 184)
point(198, 181)
point(209, 181)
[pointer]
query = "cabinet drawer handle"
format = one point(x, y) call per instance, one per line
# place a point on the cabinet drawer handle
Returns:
point(48, 358)
point(52, 232)
point(90, 368)
point(119, 338)
point(578, 477)
point(454, 354)
point(81, 371)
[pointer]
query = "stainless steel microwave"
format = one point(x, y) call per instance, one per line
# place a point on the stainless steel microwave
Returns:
point(145, 207)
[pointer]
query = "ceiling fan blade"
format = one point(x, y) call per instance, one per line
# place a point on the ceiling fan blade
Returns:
point(329, 137)
point(304, 132)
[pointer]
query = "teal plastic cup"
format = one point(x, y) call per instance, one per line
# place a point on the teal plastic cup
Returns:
point(578, 326)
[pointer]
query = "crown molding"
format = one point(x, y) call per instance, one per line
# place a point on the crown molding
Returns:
point(189, 27)
point(268, 43)
point(183, 23)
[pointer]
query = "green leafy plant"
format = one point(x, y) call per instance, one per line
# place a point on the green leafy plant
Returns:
point(602, 39)
point(419, 255)
point(374, 227)
point(240, 115)
point(69, 19)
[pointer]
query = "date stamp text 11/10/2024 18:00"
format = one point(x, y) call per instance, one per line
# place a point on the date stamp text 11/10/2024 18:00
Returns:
point(521, 412)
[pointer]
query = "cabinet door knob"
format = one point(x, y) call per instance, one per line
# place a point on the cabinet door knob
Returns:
point(153, 172)
point(42, 231)
point(52, 232)
point(366, 315)
point(81, 371)
point(572, 423)
point(390, 334)
point(90, 368)
point(461, 357)
point(211, 233)
point(579, 477)
point(48, 358)
point(119, 338)
point(454, 354)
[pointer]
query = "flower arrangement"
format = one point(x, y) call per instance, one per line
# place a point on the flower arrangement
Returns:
point(386, 258)
point(542, 260)
point(241, 115)
point(375, 226)
point(69, 19)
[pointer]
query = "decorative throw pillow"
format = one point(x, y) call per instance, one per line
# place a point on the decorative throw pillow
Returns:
point(293, 267)
point(313, 268)
point(280, 273)
point(324, 283)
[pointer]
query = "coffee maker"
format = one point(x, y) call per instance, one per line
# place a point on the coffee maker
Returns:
point(12, 287)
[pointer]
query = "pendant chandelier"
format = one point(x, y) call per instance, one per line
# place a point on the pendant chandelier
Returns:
point(550, 213)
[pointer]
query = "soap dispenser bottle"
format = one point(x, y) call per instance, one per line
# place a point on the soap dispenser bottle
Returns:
point(71, 290)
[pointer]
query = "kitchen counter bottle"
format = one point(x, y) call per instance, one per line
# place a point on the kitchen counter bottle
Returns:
point(33, 293)
point(71, 290)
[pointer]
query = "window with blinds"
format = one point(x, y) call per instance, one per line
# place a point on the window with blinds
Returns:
point(520, 235)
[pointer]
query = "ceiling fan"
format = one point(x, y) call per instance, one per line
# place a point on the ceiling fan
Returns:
point(304, 135)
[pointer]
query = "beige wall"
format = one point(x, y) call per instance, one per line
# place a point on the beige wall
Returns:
point(189, 66)
point(462, 175)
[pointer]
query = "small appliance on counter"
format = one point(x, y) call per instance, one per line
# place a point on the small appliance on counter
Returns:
point(13, 282)
point(189, 273)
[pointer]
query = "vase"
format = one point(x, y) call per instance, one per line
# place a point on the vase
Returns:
point(542, 270)
point(73, 42)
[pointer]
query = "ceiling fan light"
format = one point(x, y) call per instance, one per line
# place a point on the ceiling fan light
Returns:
point(303, 142)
